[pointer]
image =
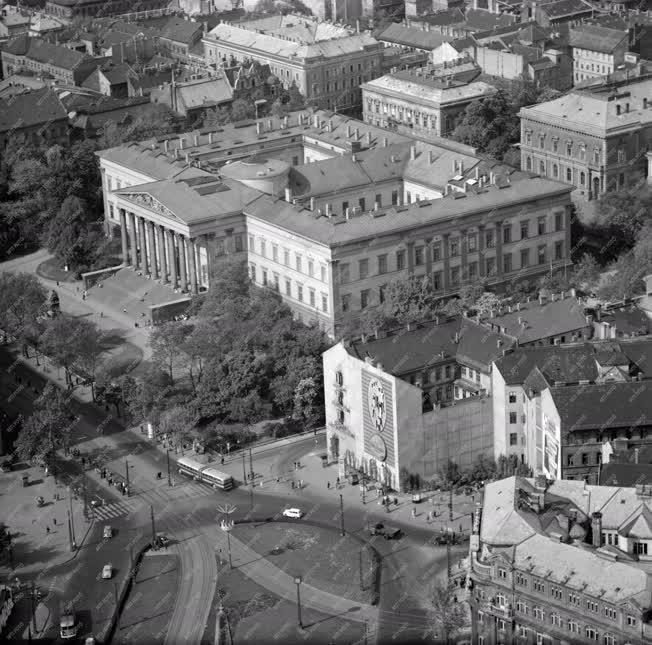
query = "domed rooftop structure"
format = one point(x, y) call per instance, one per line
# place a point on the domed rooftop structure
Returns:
point(267, 175)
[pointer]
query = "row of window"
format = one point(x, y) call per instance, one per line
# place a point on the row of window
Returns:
point(585, 459)
point(399, 112)
point(284, 256)
point(569, 146)
point(297, 293)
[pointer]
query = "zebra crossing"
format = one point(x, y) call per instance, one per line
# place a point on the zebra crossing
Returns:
point(156, 496)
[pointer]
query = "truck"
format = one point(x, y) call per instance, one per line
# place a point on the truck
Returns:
point(388, 532)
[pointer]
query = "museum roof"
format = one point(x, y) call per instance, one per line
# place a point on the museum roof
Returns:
point(406, 350)
point(604, 405)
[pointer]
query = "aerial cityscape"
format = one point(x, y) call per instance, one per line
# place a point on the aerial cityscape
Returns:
point(325, 322)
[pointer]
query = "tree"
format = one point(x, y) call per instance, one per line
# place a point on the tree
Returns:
point(306, 396)
point(451, 472)
point(156, 121)
point(176, 423)
point(586, 273)
point(242, 109)
point(147, 397)
point(89, 345)
point(165, 341)
point(47, 429)
point(22, 302)
point(448, 615)
point(61, 342)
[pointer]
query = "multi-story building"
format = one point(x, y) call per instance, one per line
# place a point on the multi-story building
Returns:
point(411, 399)
point(413, 98)
point(561, 562)
point(179, 37)
point(412, 39)
point(591, 138)
point(597, 51)
point(13, 22)
point(41, 57)
point(565, 410)
point(360, 207)
point(327, 62)
point(91, 8)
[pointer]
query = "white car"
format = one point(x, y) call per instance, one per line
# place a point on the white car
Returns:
point(108, 532)
point(296, 513)
point(107, 572)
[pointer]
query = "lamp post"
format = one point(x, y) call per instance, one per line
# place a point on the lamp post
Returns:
point(227, 526)
point(127, 476)
point(342, 516)
point(167, 455)
point(297, 582)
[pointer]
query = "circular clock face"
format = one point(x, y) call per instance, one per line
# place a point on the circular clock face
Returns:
point(376, 401)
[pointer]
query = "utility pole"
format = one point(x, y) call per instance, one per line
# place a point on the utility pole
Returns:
point(450, 505)
point(365, 632)
point(342, 516)
point(448, 558)
point(70, 537)
point(361, 576)
point(151, 511)
point(84, 496)
point(33, 601)
point(297, 581)
point(127, 476)
point(244, 468)
point(251, 466)
point(71, 517)
point(167, 455)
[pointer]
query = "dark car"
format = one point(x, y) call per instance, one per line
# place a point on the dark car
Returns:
point(388, 532)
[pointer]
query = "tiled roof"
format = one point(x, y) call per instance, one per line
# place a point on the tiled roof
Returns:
point(563, 8)
point(609, 405)
point(45, 52)
point(446, 17)
point(625, 474)
point(639, 524)
point(596, 38)
point(181, 31)
point(204, 92)
point(31, 108)
point(537, 321)
point(627, 320)
point(482, 20)
point(403, 351)
point(413, 37)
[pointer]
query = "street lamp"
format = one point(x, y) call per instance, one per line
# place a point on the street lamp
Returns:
point(227, 526)
point(167, 454)
point(297, 582)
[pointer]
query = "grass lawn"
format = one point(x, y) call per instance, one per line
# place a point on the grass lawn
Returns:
point(150, 605)
point(52, 269)
point(122, 359)
point(320, 556)
point(257, 617)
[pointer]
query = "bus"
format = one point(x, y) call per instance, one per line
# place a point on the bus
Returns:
point(205, 473)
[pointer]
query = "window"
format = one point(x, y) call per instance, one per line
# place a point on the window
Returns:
point(569, 174)
point(541, 254)
point(480, 618)
point(311, 268)
point(436, 252)
point(394, 197)
point(364, 298)
point(525, 258)
point(489, 238)
point(363, 268)
point(286, 257)
point(573, 599)
point(537, 612)
point(252, 246)
point(455, 247)
point(585, 459)
point(555, 170)
point(262, 247)
point(288, 287)
point(507, 234)
point(556, 593)
point(541, 226)
point(447, 371)
point(513, 439)
point(542, 139)
point(559, 250)
point(512, 417)
point(524, 230)
point(542, 168)
point(361, 203)
point(555, 619)
point(252, 272)
point(344, 273)
point(382, 263)
point(473, 270)
point(555, 145)
point(238, 243)
point(569, 148)
point(491, 266)
point(640, 548)
point(378, 200)
point(537, 585)
point(592, 606)
point(265, 277)
point(520, 580)
point(297, 262)
point(573, 627)
point(609, 639)
point(521, 631)
point(400, 260)
point(324, 302)
point(559, 222)
point(610, 612)
point(455, 276)
point(437, 280)
point(299, 292)
point(591, 633)
point(507, 262)
point(418, 256)
point(631, 621)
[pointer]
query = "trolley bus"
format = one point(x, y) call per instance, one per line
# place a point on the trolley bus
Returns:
point(205, 473)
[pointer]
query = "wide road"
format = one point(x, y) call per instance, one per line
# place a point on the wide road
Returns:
point(190, 505)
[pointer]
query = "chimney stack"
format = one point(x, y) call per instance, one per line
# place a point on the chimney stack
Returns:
point(210, 138)
point(348, 130)
point(384, 142)
point(196, 140)
point(187, 157)
point(166, 146)
point(369, 138)
point(285, 122)
point(270, 125)
point(413, 152)
point(259, 127)
point(312, 204)
point(376, 206)
point(288, 195)
point(181, 143)
point(357, 134)
point(431, 156)
point(328, 210)
point(347, 213)
point(596, 529)
point(315, 121)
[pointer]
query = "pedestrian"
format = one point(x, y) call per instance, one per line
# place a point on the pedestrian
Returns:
point(84, 296)
point(328, 484)
point(460, 528)
point(338, 482)
point(101, 314)
point(428, 517)
point(414, 512)
point(124, 310)
point(222, 460)
point(54, 521)
point(47, 530)
point(301, 483)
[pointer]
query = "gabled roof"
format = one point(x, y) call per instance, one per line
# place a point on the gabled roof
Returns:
point(181, 31)
point(596, 38)
point(625, 474)
point(565, 8)
point(639, 524)
point(204, 92)
point(413, 37)
point(482, 20)
point(45, 52)
point(31, 108)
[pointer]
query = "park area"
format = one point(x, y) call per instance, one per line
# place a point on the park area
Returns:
point(322, 557)
point(257, 617)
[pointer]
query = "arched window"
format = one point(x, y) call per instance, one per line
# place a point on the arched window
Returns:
point(582, 179)
point(542, 167)
point(569, 174)
point(555, 170)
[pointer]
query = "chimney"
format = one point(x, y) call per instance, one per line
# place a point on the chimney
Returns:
point(368, 138)
point(315, 121)
point(312, 204)
point(166, 146)
point(288, 195)
point(328, 210)
point(499, 343)
point(376, 206)
point(357, 134)
point(176, 153)
point(596, 529)
point(477, 173)
point(347, 213)
point(413, 152)
point(259, 127)
point(181, 143)
point(377, 333)
point(384, 142)
point(357, 26)
point(636, 453)
point(196, 140)
point(518, 306)
point(573, 293)
point(562, 295)
point(329, 127)
point(540, 483)
point(542, 299)
point(270, 125)
point(552, 297)
point(187, 157)
point(353, 158)
point(210, 137)
point(431, 156)
point(285, 122)
point(348, 130)
point(492, 313)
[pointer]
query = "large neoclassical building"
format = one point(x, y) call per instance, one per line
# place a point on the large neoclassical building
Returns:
point(328, 211)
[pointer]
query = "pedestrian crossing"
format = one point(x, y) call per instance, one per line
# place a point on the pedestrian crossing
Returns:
point(155, 497)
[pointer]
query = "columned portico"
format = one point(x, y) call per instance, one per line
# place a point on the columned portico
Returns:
point(123, 236)
point(134, 240)
point(182, 262)
point(142, 244)
point(152, 266)
point(172, 258)
point(162, 248)
point(192, 264)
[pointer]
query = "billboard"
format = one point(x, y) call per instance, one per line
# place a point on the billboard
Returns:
point(378, 418)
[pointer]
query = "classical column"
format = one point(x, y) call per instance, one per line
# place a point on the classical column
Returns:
point(152, 267)
point(499, 248)
point(123, 236)
point(481, 241)
point(134, 240)
point(209, 259)
point(465, 259)
point(192, 265)
point(162, 248)
point(143, 244)
point(172, 258)
point(182, 262)
point(447, 262)
point(105, 193)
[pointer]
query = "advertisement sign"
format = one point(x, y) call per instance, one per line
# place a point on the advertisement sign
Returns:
point(378, 418)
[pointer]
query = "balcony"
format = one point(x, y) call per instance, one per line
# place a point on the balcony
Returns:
point(505, 612)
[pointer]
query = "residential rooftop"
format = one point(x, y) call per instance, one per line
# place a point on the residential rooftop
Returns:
point(596, 38)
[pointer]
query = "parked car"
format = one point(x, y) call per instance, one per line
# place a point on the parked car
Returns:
point(295, 513)
point(388, 532)
point(162, 540)
point(108, 533)
point(107, 572)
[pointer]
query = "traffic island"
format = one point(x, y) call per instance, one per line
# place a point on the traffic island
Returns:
point(344, 566)
point(254, 616)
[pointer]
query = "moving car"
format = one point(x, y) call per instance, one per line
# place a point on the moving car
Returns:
point(162, 540)
point(107, 572)
point(108, 532)
point(296, 513)
point(388, 532)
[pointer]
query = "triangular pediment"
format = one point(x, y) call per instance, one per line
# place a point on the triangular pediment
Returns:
point(151, 203)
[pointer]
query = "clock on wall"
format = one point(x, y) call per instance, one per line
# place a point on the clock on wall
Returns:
point(376, 402)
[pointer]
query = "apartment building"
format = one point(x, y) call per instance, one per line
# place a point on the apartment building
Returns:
point(90, 8)
point(419, 99)
point(597, 51)
point(327, 62)
point(591, 138)
point(561, 562)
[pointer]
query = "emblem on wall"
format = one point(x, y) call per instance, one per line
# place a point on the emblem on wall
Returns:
point(377, 447)
point(376, 403)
